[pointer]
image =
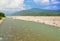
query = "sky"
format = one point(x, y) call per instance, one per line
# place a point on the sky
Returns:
point(26, 4)
point(43, 4)
point(18, 5)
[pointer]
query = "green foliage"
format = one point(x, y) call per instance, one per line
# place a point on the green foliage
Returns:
point(1, 15)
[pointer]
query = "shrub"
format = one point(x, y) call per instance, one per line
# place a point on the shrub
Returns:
point(2, 15)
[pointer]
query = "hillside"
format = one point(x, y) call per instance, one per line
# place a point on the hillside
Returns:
point(37, 12)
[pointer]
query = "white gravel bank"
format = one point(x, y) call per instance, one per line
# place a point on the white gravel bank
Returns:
point(50, 20)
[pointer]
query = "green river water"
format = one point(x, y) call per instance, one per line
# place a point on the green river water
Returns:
point(18, 30)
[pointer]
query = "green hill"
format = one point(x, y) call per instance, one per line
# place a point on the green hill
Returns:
point(37, 12)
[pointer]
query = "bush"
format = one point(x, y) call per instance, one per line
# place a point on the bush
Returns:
point(2, 15)
point(0, 18)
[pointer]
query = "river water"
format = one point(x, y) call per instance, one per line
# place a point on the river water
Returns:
point(18, 30)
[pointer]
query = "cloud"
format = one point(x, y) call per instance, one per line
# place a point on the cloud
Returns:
point(40, 2)
point(45, 1)
point(3, 3)
point(51, 7)
point(19, 4)
point(55, 2)
point(11, 4)
point(48, 4)
point(16, 3)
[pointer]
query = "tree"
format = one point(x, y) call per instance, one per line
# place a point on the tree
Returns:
point(2, 15)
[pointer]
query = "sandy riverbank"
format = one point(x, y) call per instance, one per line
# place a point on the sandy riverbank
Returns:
point(1, 20)
point(50, 20)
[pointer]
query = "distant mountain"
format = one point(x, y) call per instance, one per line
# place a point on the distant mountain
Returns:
point(37, 12)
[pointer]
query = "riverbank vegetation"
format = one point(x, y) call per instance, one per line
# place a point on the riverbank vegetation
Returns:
point(2, 15)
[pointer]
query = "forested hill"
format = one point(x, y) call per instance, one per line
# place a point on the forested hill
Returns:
point(37, 12)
